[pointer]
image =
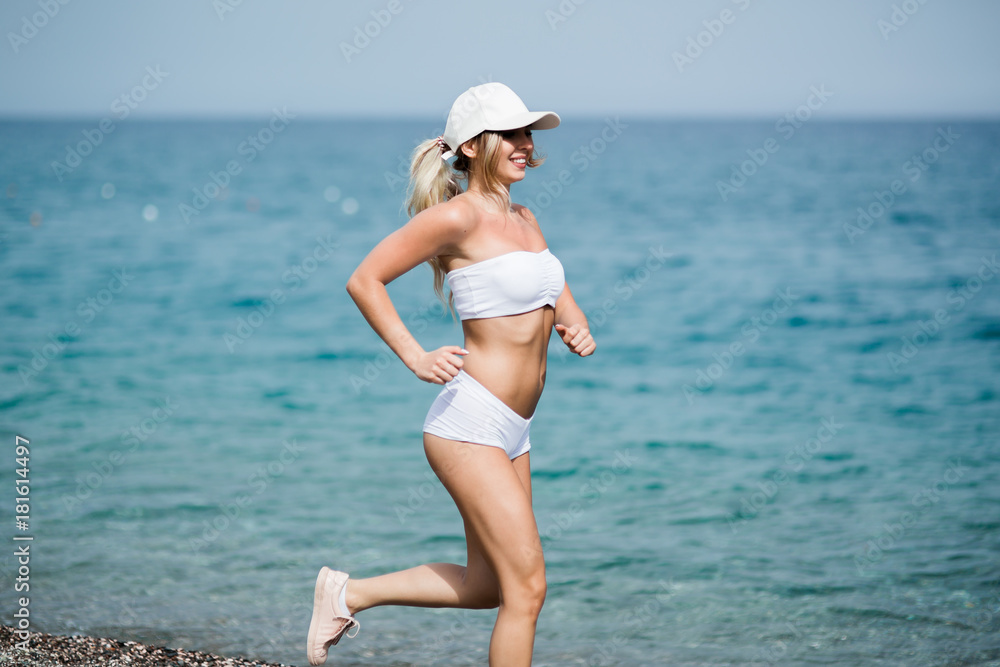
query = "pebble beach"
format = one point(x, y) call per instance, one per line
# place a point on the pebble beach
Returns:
point(51, 650)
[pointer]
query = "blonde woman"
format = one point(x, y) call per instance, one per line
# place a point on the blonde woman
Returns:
point(509, 291)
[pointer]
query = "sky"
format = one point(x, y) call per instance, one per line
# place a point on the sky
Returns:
point(398, 58)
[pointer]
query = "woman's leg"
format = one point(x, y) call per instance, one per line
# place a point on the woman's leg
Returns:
point(505, 563)
point(473, 586)
point(496, 506)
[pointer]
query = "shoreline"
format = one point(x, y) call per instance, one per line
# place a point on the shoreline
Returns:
point(46, 650)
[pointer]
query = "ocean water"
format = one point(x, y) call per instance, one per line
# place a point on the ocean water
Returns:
point(784, 452)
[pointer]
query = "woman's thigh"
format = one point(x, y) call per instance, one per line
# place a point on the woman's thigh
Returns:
point(494, 503)
point(522, 466)
point(479, 575)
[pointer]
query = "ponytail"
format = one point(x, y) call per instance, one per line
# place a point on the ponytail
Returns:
point(432, 181)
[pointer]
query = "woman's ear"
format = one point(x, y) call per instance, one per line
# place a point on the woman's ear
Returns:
point(468, 149)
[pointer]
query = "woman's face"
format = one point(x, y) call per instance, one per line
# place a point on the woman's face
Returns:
point(515, 150)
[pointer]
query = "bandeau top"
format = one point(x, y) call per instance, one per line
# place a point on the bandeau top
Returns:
point(509, 284)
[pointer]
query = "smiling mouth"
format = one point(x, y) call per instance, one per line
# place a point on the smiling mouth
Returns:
point(519, 161)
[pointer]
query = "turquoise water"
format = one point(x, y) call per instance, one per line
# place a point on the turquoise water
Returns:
point(785, 450)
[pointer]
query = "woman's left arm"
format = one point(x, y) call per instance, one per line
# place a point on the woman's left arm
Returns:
point(571, 325)
point(570, 322)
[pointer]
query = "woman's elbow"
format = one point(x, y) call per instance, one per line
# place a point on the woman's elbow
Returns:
point(359, 285)
point(354, 283)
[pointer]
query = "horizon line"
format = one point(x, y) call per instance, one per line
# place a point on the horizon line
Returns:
point(588, 116)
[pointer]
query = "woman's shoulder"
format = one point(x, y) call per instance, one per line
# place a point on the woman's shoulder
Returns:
point(456, 212)
point(525, 213)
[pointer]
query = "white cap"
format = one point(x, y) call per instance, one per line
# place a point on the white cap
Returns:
point(490, 106)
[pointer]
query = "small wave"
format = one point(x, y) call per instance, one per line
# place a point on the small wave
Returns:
point(982, 526)
point(986, 396)
point(689, 446)
point(913, 217)
point(584, 383)
point(872, 346)
point(991, 332)
point(554, 474)
point(862, 612)
point(696, 520)
point(911, 409)
point(801, 591)
point(837, 456)
point(249, 302)
point(277, 393)
point(849, 471)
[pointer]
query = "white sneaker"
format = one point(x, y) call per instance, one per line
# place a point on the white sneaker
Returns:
point(329, 622)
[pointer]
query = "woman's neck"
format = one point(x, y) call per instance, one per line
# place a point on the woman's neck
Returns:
point(491, 201)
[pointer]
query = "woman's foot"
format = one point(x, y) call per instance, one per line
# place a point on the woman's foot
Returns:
point(330, 618)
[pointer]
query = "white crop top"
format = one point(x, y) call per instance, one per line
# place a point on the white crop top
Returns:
point(508, 284)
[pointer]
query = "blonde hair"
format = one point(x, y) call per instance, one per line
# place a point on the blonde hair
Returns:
point(433, 181)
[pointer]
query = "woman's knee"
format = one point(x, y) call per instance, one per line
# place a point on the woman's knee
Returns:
point(526, 592)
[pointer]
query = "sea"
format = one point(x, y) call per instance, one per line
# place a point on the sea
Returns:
point(785, 450)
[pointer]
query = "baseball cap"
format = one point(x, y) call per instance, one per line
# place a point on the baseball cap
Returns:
point(490, 106)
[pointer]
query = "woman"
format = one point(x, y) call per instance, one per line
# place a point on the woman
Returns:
point(509, 291)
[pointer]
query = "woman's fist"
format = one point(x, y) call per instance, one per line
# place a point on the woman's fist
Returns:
point(577, 339)
point(440, 365)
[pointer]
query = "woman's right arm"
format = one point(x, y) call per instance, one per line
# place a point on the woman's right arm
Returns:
point(432, 232)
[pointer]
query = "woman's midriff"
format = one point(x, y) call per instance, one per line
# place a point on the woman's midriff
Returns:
point(507, 355)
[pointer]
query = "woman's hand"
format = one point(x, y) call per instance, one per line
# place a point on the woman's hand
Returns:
point(440, 365)
point(577, 339)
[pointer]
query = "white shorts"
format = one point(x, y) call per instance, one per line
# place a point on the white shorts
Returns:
point(467, 411)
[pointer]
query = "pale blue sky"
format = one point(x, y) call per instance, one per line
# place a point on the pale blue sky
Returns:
point(605, 57)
